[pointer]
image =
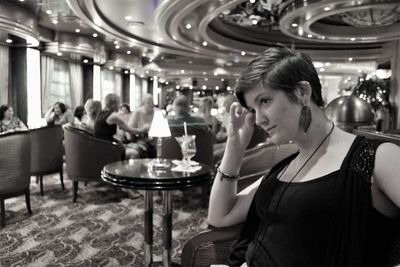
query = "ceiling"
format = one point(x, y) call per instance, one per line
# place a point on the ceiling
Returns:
point(207, 40)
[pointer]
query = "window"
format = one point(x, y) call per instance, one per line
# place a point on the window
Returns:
point(60, 88)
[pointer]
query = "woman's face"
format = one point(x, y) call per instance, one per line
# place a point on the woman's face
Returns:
point(57, 110)
point(275, 113)
point(8, 113)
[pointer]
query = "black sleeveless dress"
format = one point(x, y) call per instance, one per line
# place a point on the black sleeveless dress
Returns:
point(328, 221)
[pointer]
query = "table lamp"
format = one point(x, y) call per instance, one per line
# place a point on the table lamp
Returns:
point(159, 128)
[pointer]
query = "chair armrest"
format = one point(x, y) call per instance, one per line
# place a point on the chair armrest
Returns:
point(211, 246)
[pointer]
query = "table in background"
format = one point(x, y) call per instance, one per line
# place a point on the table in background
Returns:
point(135, 174)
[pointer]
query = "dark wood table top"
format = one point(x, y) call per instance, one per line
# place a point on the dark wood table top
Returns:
point(135, 174)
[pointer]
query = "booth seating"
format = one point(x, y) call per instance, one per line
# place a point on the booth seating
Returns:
point(15, 162)
point(47, 152)
point(85, 156)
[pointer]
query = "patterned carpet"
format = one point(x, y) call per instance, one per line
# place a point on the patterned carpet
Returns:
point(104, 227)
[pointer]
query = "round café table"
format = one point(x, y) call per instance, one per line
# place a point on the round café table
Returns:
point(136, 174)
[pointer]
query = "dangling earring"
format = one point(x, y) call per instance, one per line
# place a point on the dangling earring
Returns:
point(305, 118)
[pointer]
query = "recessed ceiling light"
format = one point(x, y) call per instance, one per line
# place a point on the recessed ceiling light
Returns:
point(254, 21)
point(94, 35)
point(294, 25)
point(177, 87)
point(54, 21)
point(117, 47)
point(205, 43)
point(49, 12)
point(182, 71)
point(191, 87)
point(150, 60)
point(352, 39)
point(188, 26)
point(77, 30)
point(204, 73)
point(321, 69)
point(128, 52)
point(135, 23)
point(216, 87)
point(327, 64)
point(190, 62)
point(9, 41)
point(350, 59)
point(309, 35)
point(222, 79)
point(166, 82)
point(147, 72)
point(128, 17)
point(126, 72)
point(252, 1)
point(115, 42)
point(204, 87)
point(206, 79)
point(144, 54)
point(21, 0)
point(59, 54)
point(111, 67)
point(243, 53)
point(85, 61)
point(327, 8)
point(228, 88)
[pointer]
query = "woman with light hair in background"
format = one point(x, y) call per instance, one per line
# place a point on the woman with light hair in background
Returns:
point(106, 123)
point(92, 109)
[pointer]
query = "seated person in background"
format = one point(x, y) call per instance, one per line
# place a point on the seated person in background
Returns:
point(142, 117)
point(125, 113)
point(206, 104)
point(221, 135)
point(9, 123)
point(92, 109)
point(59, 115)
point(140, 120)
point(108, 120)
point(182, 109)
point(79, 115)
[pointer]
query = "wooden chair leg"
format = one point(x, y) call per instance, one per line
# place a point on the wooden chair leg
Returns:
point(3, 213)
point(41, 185)
point(28, 201)
point(62, 179)
point(75, 194)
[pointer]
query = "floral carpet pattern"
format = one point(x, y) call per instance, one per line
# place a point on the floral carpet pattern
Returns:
point(103, 228)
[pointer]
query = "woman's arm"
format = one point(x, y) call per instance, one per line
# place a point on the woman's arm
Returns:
point(114, 118)
point(386, 171)
point(226, 206)
point(50, 116)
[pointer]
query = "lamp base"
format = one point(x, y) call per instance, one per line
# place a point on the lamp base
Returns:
point(159, 165)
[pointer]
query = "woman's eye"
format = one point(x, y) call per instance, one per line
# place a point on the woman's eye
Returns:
point(265, 100)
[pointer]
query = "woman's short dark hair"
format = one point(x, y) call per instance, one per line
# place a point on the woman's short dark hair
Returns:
point(124, 105)
point(61, 105)
point(78, 112)
point(280, 68)
point(3, 109)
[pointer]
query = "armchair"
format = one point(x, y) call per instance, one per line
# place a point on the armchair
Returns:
point(47, 152)
point(86, 155)
point(15, 162)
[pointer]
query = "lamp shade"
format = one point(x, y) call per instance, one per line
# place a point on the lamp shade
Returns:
point(159, 126)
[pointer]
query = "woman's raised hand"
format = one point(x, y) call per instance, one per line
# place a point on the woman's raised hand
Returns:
point(240, 126)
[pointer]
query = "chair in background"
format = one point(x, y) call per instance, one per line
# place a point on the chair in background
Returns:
point(47, 152)
point(15, 162)
point(259, 136)
point(204, 144)
point(85, 156)
point(212, 246)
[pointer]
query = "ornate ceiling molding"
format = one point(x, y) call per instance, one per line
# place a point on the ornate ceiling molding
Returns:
point(74, 44)
point(19, 22)
point(342, 21)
